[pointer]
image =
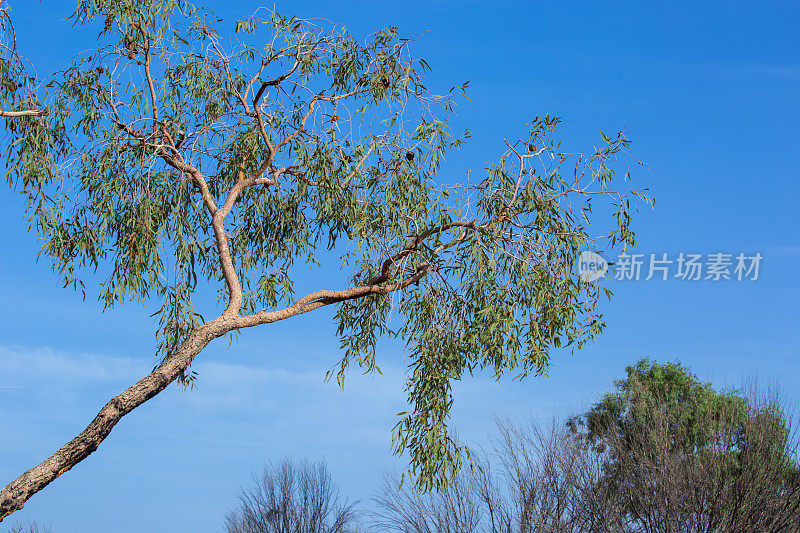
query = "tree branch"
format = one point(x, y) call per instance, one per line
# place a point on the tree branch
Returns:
point(322, 298)
point(25, 113)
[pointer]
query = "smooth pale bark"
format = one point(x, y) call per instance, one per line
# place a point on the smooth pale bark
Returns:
point(16, 493)
point(24, 113)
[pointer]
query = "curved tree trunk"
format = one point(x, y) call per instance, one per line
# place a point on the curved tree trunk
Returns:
point(16, 493)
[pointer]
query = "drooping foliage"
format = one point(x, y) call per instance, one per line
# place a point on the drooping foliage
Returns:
point(179, 156)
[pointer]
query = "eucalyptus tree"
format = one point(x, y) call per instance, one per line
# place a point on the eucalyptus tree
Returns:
point(177, 157)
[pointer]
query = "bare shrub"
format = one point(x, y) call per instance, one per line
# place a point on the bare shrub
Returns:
point(292, 497)
point(554, 481)
point(401, 507)
point(33, 527)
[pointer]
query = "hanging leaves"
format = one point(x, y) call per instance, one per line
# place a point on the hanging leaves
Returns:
point(178, 157)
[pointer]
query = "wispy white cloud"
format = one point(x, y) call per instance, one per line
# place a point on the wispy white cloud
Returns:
point(21, 367)
point(293, 401)
point(221, 386)
point(302, 392)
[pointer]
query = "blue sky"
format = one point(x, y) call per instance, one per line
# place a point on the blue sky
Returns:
point(709, 93)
